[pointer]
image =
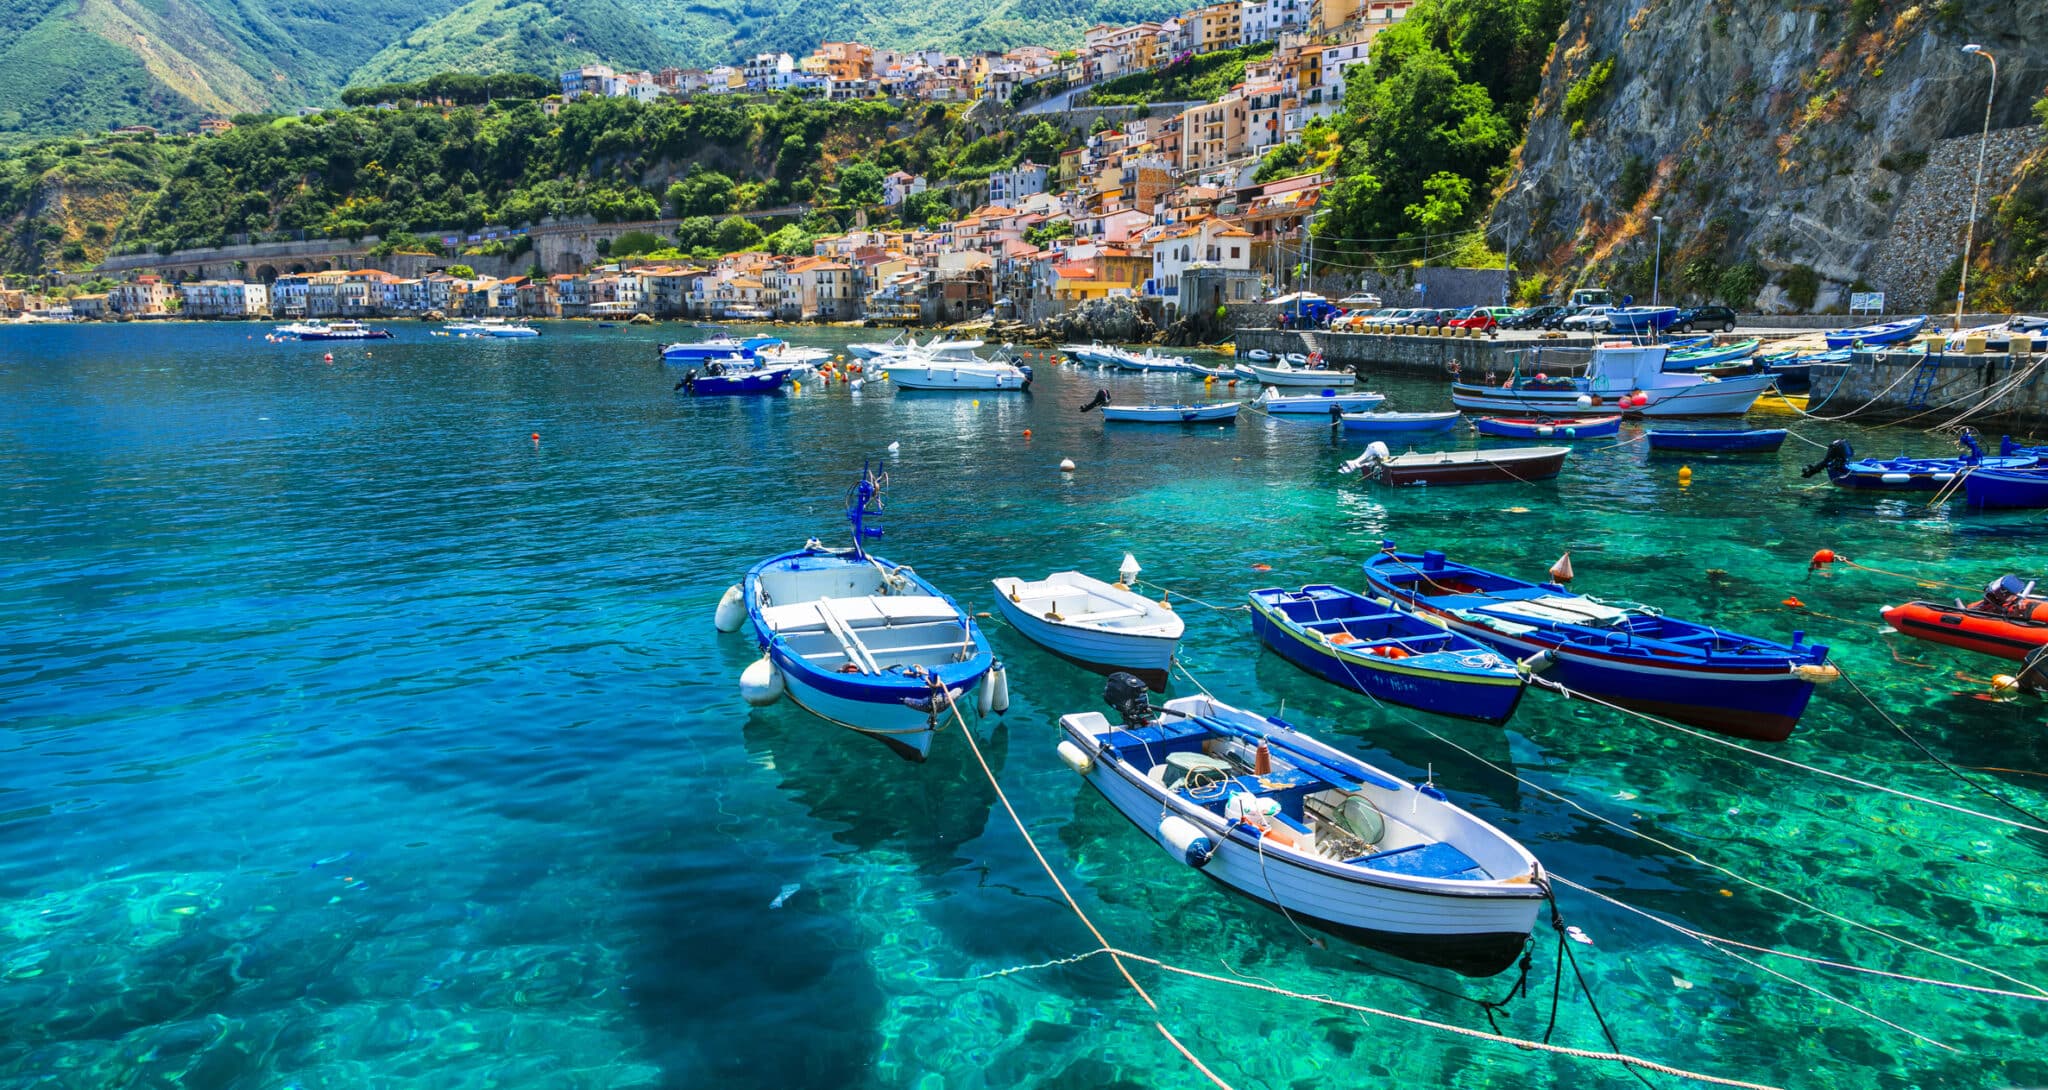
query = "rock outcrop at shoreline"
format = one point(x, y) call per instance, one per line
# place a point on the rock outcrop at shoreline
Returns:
point(1112, 321)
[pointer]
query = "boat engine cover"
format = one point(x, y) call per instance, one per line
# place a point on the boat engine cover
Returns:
point(1127, 694)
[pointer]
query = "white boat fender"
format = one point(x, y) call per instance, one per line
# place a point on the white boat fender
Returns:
point(1076, 758)
point(1535, 664)
point(761, 683)
point(732, 610)
point(1002, 697)
point(1185, 841)
point(985, 694)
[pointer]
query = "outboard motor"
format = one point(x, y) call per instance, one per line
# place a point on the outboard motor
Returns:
point(1101, 398)
point(1836, 460)
point(689, 381)
point(2007, 594)
point(1128, 696)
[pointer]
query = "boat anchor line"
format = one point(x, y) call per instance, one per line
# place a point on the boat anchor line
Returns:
point(1932, 756)
point(1122, 957)
point(2034, 993)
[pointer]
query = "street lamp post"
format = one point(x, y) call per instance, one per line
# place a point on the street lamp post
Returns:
point(1657, 263)
point(1970, 228)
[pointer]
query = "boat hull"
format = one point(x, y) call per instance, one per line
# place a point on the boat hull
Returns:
point(1571, 428)
point(1285, 376)
point(1400, 423)
point(1969, 628)
point(2027, 488)
point(753, 382)
point(1477, 936)
point(1171, 414)
point(1409, 683)
point(365, 335)
point(1149, 657)
point(1474, 470)
point(1875, 336)
point(1727, 397)
point(920, 377)
point(1319, 405)
point(1727, 442)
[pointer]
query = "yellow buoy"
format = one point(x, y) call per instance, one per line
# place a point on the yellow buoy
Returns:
point(1684, 475)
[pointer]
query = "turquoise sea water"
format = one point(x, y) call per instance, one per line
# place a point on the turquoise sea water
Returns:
point(353, 737)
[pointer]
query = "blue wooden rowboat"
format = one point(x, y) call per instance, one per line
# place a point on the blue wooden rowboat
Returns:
point(1640, 319)
point(1692, 359)
point(1873, 336)
point(1904, 474)
point(1740, 685)
point(861, 642)
point(1544, 427)
point(1721, 440)
point(1386, 652)
point(2009, 449)
point(2007, 487)
point(1385, 423)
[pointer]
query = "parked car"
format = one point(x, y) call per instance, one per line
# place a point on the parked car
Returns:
point(1482, 317)
point(1715, 317)
point(1590, 319)
point(1363, 299)
point(1396, 316)
point(1532, 317)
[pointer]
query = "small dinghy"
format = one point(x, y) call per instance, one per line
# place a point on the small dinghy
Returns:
point(1707, 355)
point(1103, 626)
point(1307, 828)
point(1740, 685)
point(859, 641)
point(1904, 474)
point(1507, 464)
point(1258, 355)
point(1545, 427)
point(1386, 423)
point(1213, 372)
point(1719, 440)
point(1876, 336)
point(1215, 412)
point(2009, 622)
point(1317, 404)
point(1386, 652)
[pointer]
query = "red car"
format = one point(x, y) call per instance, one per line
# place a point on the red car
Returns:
point(1476, 318)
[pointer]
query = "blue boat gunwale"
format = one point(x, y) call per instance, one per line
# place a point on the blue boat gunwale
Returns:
point(1268, 602)
point(890, 686)
point(1756, 656)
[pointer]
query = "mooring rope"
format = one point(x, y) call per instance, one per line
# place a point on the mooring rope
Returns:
point(1170, 593)
point(1114, 955)
point(1936, 758)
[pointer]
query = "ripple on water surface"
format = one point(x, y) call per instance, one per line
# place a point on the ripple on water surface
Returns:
point(355, 737)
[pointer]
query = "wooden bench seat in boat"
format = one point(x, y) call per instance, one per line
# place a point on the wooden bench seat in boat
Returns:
point(1158, 740)
point(857, 613)
point(1434, 860)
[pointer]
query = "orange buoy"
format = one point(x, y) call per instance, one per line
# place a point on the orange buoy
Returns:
point(1795, 603)
point(536, 437)
point(1821, 559)
point(329, 357)
point(1561, 572)
point(1262, 567)
point(1027, 433)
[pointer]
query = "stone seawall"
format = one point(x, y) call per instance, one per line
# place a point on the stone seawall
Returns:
point(2010, 391)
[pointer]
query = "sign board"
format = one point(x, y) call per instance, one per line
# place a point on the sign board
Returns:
point(1866, 302)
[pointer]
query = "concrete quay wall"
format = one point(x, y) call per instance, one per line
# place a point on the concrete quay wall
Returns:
point(2007, 391)
point(1422, 354)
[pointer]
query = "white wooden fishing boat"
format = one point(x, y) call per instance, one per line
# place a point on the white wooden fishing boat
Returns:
point(1289, 374)
point(1317, 404)
point(1103, 626)
point(1212, 412)
point(1336, 843)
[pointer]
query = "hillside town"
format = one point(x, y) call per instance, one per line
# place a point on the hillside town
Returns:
point(1130, 210)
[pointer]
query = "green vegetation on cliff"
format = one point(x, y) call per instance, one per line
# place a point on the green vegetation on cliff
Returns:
point(1203, 77)
point(1428, 129)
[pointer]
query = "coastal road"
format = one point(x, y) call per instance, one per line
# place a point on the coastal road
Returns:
point(1059, 103)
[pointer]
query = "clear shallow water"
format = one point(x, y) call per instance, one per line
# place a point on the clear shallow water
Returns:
point(352, 737)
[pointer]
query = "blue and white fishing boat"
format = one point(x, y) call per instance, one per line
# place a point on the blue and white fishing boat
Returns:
point(1216, 412)
point(857, 640)
point(1295, 824)
point(1547, 427)
point(1317, 404)
point(1740, 685)
point(1876, 336)
point(1386, 652)
point(1640, 319)
point(2007, 487)
point(1718, 440)
point(1794, 370)
point(1392, 423)
point(1904, 474)
point(1618, 370)
point(2009, 449)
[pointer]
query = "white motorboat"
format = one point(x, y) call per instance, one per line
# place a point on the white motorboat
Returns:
point(1289, 821)
point(938, 347)
point(1094, 352)
point(1317, 404)
point(1290, 374)
point(867, 350)
point(1104, 626)
point(1148, 360)
point(491, 327)
point(1619, 370)
point(928, 372)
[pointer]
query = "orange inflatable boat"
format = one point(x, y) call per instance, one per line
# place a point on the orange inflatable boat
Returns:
point(2009, 621)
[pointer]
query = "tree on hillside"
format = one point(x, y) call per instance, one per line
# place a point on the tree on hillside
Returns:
point(860, 182)
point(927, 208)
point(735, 234)
point(1043, 143)
point(636, 242)
point(790, 241)
point(701, 193)
point(696, 233)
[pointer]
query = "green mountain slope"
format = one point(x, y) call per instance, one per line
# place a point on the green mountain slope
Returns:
point(543, 36)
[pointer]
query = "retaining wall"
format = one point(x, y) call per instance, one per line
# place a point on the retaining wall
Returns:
point(1422, 355)
point(2010, 391)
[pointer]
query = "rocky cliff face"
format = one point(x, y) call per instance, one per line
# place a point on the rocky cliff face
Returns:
point(1783, 146)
